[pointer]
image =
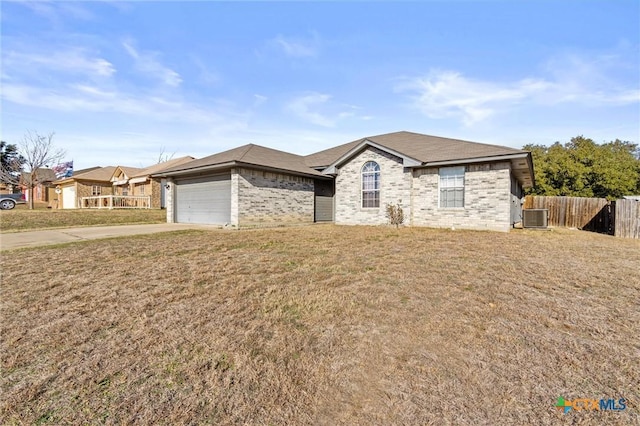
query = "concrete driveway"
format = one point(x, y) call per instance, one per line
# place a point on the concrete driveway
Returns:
point(15, 240)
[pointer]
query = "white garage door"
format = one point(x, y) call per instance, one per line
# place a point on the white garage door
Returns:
point(204, 200)
point(69, 197)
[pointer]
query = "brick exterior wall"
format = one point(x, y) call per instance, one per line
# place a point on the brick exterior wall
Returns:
point(487, 198)
point(267, 198)
point(487, 201)
point(395, 187)
point(154, 189)
point(270, 198)
point(40, 192)
point(85, 188)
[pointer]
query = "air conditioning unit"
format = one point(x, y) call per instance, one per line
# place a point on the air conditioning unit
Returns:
point(535, 218)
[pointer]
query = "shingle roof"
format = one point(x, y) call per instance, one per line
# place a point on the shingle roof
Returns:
point(421, 147)
point(99, 174)
point(88, 169)
point(43, 175)
point(328, 156)
point(130, 171)
point(160, 167)
point(251, 154)
point(418, 148)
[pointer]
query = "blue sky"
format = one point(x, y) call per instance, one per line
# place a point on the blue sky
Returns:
point(121, 82)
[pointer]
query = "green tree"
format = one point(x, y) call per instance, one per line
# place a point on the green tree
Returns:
point(11, 163)
point(583, 168)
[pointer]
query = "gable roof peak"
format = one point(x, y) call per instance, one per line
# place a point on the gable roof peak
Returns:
point(418, 146)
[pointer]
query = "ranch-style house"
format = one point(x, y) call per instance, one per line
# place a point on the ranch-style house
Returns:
point(438, 182)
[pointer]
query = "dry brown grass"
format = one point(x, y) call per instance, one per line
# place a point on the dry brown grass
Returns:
point(22, 219)
point(321, 325)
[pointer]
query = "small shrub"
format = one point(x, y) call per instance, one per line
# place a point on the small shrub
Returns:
point(395, 214)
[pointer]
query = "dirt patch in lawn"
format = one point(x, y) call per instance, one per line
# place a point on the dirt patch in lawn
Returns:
point(322, 325)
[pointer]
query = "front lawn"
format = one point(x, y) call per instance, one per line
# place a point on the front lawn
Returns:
point(22, 219)
point(321, 325)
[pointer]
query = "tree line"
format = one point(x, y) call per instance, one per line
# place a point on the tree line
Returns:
point(583, 168)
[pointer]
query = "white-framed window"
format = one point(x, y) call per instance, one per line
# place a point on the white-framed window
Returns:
point(451, 187)
point(125, 190)
point(370, 185)
point(96, 190)
point(141, 189)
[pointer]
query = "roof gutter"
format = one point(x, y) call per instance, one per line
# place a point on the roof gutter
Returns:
point(530, 163)
point(275, 169)
point(230, 164)
point(476, 160)
point(200, 169)
point(526, 155)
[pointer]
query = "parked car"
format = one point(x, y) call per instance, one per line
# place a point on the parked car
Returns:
point(9, 201)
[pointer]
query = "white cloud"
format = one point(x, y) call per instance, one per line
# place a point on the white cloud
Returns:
point(443, 94)
point(206, 75)
point(450, 94)
point(317, 108)
point(55, 12)
point(259, 99)
point(86, 98)
point(297, 47)
point(598, 79)
point(148, 63)
point(72, 60)
point(72, 82)
point(303, 107)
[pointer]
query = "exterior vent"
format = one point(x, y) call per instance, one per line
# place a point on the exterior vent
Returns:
point(535, 218)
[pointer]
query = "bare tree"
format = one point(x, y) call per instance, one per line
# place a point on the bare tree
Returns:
point(38, 152)
point(163, 157)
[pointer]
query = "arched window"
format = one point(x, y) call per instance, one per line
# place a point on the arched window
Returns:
point(370, 185)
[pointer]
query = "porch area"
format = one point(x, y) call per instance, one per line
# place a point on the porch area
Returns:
point(116, 202)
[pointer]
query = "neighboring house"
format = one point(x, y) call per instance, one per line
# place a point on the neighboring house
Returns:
point(91, 183)
point(6, 188)
point(120, 180)
point(132, 181)
point(114, 184)
point(44, 182)
point(438, 182)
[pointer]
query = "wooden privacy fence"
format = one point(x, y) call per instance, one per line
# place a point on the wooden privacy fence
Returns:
point(620, 218)
point(627, 218)
point(589, 214)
